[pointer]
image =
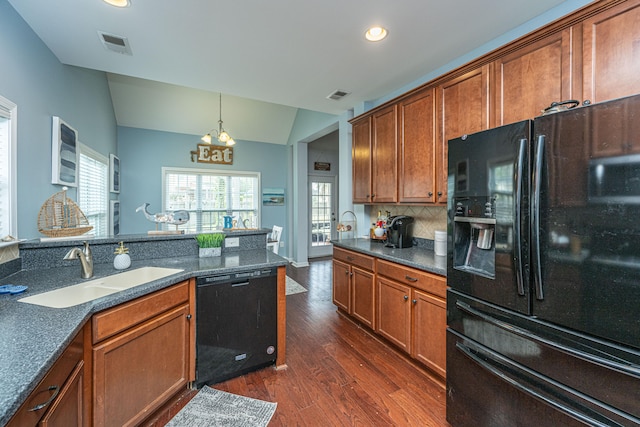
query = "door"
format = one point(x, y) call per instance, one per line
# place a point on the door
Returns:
point(322, 202)
point(489, 217)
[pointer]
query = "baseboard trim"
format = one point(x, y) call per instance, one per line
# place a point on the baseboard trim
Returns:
point(299, 264)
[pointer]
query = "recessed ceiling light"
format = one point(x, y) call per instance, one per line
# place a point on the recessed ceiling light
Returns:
point(376, 33)
point(117, 3)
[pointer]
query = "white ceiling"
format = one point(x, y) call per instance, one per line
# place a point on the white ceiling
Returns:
point(284, 54)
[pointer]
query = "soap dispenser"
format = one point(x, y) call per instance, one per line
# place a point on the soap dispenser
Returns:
point(122, 259)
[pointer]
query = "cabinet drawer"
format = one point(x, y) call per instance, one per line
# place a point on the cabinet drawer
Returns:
point(428, 282)
point(51, 384)
point(124, 316)
point(354, 258)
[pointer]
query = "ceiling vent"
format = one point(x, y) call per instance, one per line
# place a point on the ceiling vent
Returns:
point(115, 43)
point(338, 95)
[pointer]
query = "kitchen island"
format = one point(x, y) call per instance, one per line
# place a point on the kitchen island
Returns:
point(33, 337)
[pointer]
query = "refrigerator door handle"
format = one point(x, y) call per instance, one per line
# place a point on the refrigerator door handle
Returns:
point(488, 360)
point(535, 216)
point(517, 215)
point(628, 369)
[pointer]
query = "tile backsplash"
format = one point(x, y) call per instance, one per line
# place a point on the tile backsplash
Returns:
point(427, 218)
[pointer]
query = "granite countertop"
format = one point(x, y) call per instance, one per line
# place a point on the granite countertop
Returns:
point(32, 337)
point(419, 257)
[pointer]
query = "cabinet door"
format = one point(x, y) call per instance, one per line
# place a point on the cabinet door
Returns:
point(361, 158)
point(384, 170)
point(154, 353)
point(528, 80)
point(363, 286)
point(341, 287)
point(394, 313)
point(463, 108)
point(67, 410)
point(611, 53)
point(429, 331)
point(417, 156)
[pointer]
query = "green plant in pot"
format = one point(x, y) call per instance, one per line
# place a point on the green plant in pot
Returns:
point(210, 244)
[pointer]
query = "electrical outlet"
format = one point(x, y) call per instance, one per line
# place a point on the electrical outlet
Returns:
point(231, 242)
point(282, 244)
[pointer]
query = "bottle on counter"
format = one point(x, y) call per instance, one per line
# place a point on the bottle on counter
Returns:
point(122, 259)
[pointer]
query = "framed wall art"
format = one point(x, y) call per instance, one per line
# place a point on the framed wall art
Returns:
point(114, 175)
point(64, 153)
point(114, 215)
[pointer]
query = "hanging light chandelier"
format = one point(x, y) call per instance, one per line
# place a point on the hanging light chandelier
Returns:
point(221, 134)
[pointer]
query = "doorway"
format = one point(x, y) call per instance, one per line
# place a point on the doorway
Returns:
point(322, 214)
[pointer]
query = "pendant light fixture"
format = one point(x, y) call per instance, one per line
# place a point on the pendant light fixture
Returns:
point(221, 134)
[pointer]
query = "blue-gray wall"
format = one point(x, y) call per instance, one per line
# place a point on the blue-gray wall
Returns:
point(33, 78)
point(143, 153)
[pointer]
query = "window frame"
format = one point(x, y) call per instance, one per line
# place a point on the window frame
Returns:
point(213, 172)
point(12, 110)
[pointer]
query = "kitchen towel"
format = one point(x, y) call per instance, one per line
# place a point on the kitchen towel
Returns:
point(211, 407)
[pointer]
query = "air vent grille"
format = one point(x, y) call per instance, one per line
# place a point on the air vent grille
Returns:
point(338, 94)
point(115, 43)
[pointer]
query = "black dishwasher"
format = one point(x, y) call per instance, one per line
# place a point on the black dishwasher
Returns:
point(236, 324)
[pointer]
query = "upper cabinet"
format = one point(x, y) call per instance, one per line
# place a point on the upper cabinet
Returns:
point(361, 158)
point(611, 53)
point(384, 164)
point(417, 156)
point(529, 79)
point(592, 55)
point(463, 108)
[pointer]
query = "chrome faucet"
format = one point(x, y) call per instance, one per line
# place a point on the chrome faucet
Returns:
point(85, 257)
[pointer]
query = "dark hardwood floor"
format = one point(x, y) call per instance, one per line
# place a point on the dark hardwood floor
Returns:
point(337, 374)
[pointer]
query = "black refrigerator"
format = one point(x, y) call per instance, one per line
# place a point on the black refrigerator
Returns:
point(543, 269)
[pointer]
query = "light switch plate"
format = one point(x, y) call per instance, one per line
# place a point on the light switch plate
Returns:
point(231, 242)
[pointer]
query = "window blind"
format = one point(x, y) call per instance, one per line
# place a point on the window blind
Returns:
point(93, 192)
point(210, 195)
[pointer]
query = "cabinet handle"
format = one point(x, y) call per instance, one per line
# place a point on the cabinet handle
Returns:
point(349, 258)
point(351, 274)
point(346, 272)
point(55, 390)
point(439, 193)
point(188, 316)
point(406, 298)
point(415, 301)
point(430, 193)
point(411, 279)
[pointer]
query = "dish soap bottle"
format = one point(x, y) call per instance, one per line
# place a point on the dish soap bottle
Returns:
point(122, 259)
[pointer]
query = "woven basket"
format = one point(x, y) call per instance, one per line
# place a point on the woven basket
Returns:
point(60, 216)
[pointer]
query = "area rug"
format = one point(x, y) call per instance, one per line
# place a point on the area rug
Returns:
point(293, 287)
point(211, 407)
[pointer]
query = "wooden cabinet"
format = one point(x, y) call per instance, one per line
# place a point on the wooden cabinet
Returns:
point(463, 108)
point(611, 53)
point(58, 398)
point(141, 355)
point(530, 78)
point(419, 166)
point(411, 313)
point(361, 159)
point(354, 285)
point(384, 165)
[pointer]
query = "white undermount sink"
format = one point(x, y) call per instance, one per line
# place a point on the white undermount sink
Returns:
point(97, 288)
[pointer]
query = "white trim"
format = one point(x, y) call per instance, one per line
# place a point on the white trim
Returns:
point(12, 108)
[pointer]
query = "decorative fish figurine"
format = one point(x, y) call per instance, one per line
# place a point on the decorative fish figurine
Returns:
point(173, 217)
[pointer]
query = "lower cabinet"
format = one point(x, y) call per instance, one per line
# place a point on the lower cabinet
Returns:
point(58, 399)
point(354, 285)
point(412, 313)
point(140, 356)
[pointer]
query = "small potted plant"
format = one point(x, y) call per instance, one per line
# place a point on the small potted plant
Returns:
point(210, 244)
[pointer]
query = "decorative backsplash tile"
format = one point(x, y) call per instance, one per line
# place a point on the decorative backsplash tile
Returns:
point(427, 218)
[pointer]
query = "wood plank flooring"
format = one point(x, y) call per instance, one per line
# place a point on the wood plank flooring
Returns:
point(337, 374)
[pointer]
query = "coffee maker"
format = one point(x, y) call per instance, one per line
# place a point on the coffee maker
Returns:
point(399, 231)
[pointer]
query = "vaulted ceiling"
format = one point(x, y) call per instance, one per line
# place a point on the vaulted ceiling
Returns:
point(267, 58)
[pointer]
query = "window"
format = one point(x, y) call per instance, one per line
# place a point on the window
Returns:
point(93, 192)
point(8, 207)
point(209, 195)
